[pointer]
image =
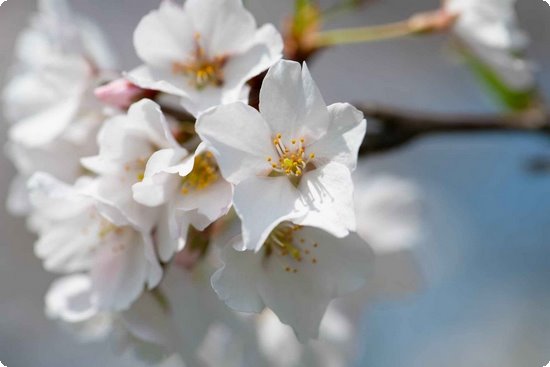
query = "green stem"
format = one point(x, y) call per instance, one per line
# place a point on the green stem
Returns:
point(341, 7)
point(364, 34)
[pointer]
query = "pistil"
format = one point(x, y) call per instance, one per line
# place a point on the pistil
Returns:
point(201, 70)
point(292, 161)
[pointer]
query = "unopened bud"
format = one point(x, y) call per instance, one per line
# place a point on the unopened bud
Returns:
point(121, 93)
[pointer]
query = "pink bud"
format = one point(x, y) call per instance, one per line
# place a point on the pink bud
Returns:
point(121, 93)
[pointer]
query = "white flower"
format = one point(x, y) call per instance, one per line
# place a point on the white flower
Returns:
point(59, 59)
point(59, 158)
point(126, 143)
point(300, 270)
point(203, 52)
point(491, 22)
point(69, 300)
point(49, 98)
point(290, 161)
point(191, 187)
point(74, 236)
point(490, 29)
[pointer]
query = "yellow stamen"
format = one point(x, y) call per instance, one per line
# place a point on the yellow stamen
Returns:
point(204, 173)
point(283, 245)
point(201, 70)
point(291, 162)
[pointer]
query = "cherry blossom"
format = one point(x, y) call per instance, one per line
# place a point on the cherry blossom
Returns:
point(190, 185)
point(203, 52)
point(294, 157)
point(48, 98)
point(75, 237)
point(298, 273)
point(126, 142)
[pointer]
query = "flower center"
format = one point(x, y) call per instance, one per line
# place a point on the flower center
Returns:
point(289, 248)
point(291, 161)
point(137, 168)
point(201, 70)
point(204, 173)
point(115, 237)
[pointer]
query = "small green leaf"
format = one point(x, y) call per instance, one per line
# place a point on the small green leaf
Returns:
point(514, 100)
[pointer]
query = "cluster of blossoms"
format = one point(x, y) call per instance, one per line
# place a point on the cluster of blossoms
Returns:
point(153, 218)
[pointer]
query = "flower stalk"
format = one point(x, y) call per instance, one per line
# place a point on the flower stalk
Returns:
point(423, 23)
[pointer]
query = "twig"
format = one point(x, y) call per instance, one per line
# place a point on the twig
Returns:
point(398, 126)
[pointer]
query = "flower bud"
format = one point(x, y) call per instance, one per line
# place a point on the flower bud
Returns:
point(121, 93)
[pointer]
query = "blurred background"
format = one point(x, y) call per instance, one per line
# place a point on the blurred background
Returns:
point(484, 253)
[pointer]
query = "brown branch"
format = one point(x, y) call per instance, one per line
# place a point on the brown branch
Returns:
point(394, 127)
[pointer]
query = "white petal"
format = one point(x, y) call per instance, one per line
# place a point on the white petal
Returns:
point(154, 270)
point(291, 103)
point(45, 191)
point(212, 201)
point(345, 263)
point(114, 199)
point(344, 136)
point(27, 94)
point(68, 247)
point(159, 79)
point(149, 321)
point(328, 194)
point(69, 299)
point(196, 101)
point(224, 25)
point(164, 36)
point(148, 119)
point(160, 180)
point(265, 50)
point(262, 203)
point(114, 147)
point(196, 219)
point(168, 238)
point(120, 272)
point(45, 126)
point(240, 138)
point(331, 267)
point(235, 282)
point(491, 23)
point(517, 73)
